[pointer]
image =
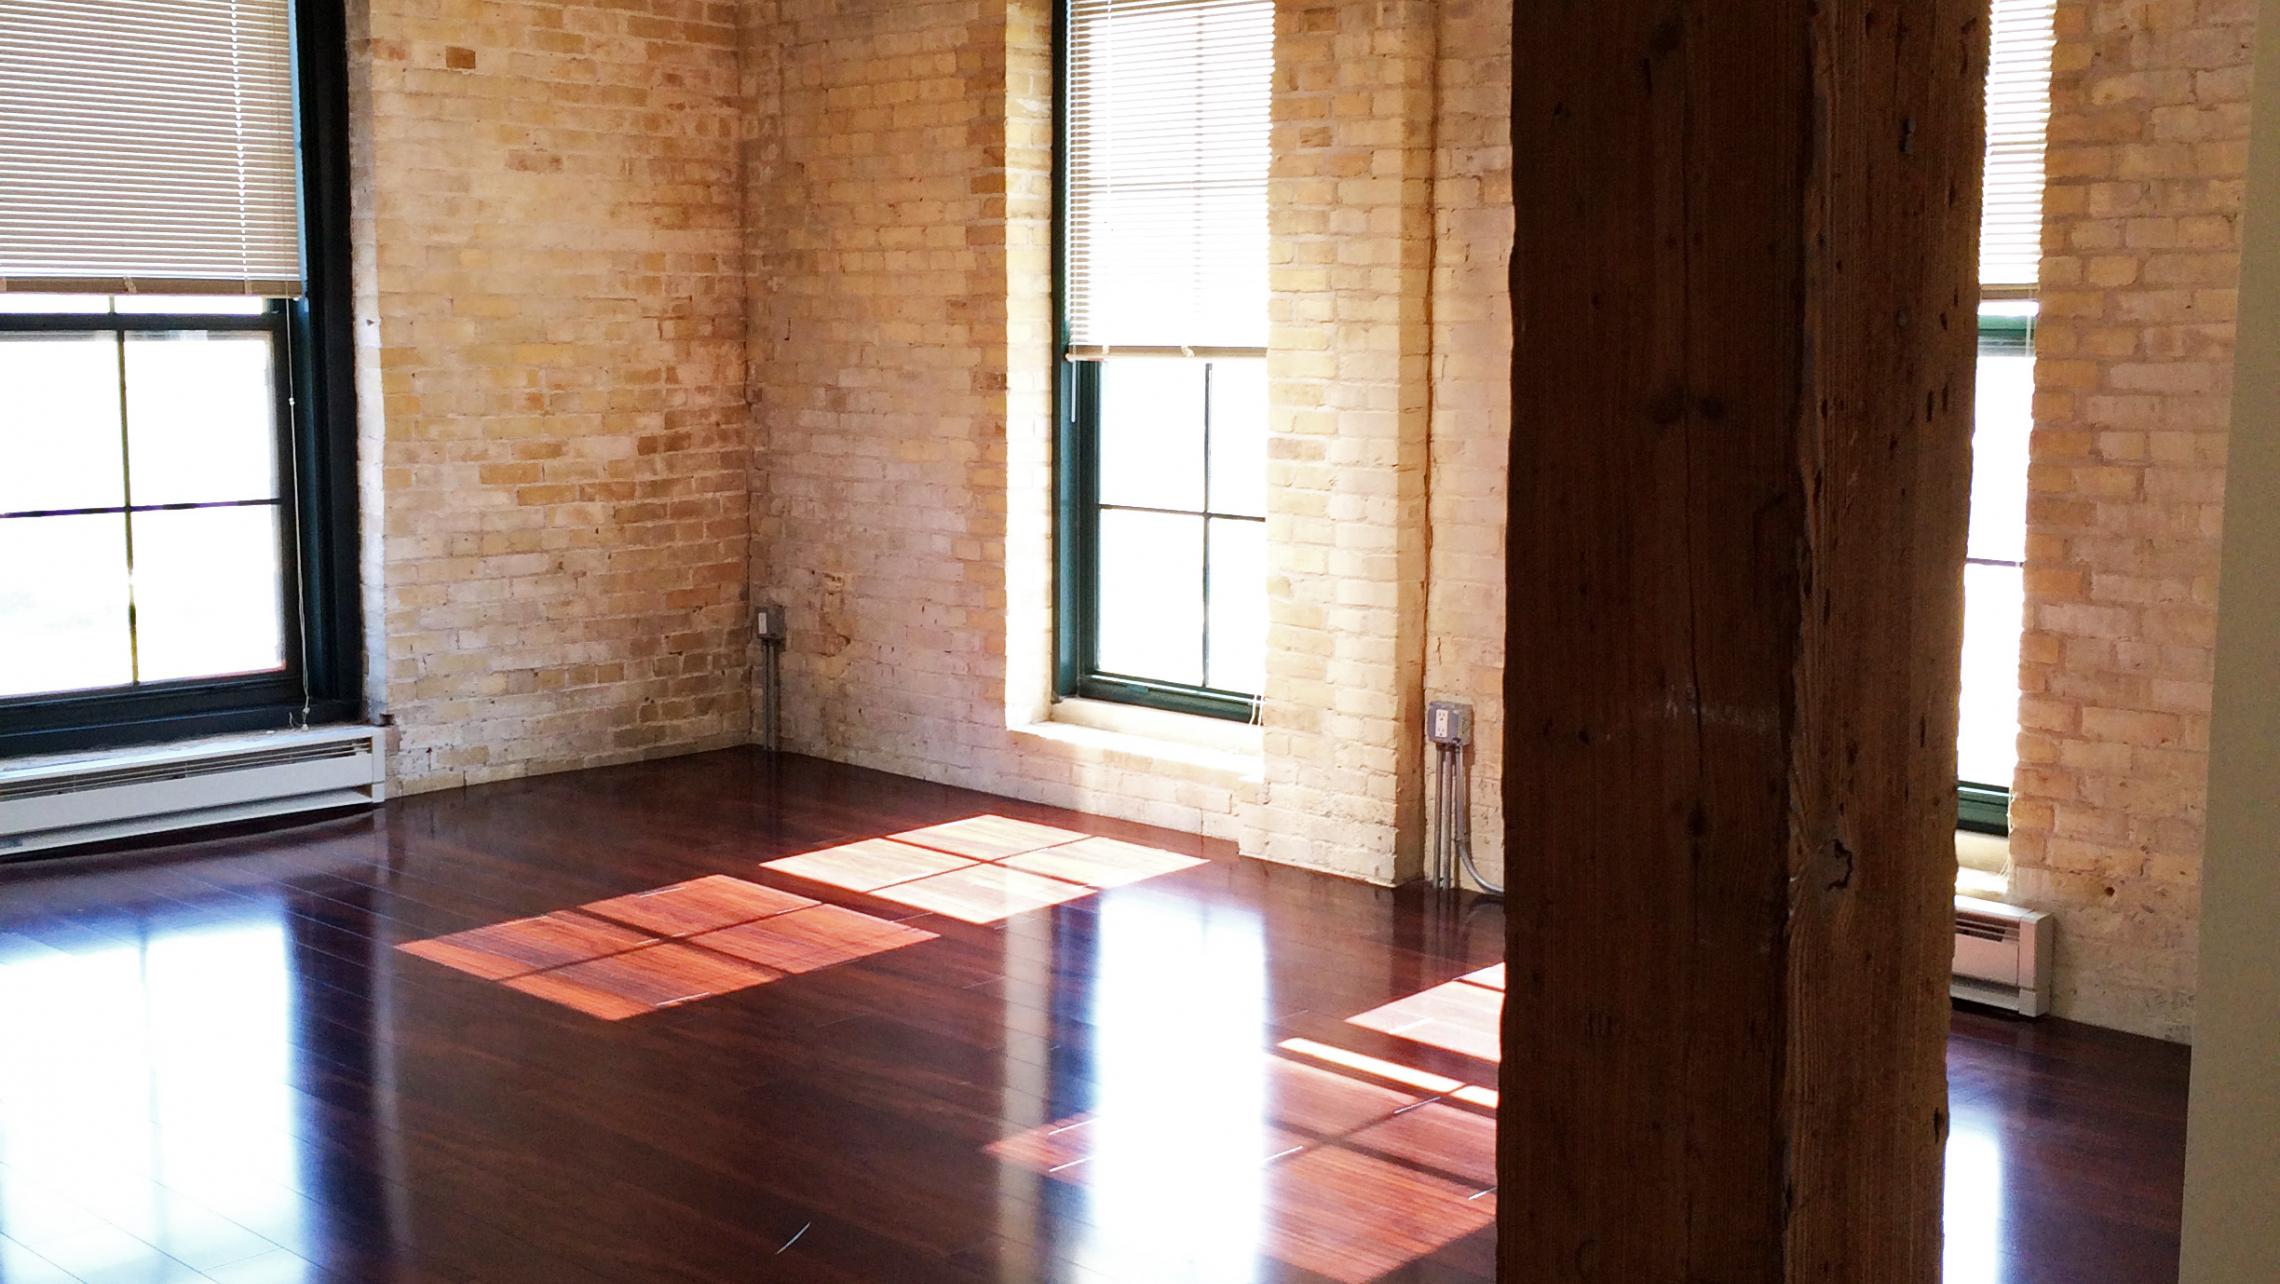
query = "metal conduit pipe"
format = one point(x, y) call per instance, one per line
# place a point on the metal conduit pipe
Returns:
point(1452, 823)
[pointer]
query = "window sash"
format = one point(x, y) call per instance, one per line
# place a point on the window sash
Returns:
point(1983, 806)
point(1078, 601)
point(314, 681)
point(273, 322)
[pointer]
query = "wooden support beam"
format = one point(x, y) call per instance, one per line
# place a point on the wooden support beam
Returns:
point(1744, 297)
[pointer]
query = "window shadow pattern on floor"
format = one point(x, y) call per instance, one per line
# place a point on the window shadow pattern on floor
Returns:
point(627, 955)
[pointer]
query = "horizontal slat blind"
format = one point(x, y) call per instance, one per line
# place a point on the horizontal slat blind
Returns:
point(2018, 116)
point(1167, 172)
point(147, 145)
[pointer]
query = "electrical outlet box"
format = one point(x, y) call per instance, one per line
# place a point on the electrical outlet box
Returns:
point(1448, 723)
point(770, 623)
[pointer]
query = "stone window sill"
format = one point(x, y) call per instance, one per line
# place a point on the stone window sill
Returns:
point(1983, 865)
point(1211, 744)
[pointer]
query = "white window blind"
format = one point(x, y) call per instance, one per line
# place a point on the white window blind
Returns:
point(2018, 116)
point(147, 145)
point(1167, 172)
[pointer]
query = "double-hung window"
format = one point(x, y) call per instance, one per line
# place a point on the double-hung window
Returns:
point(176, 482)
point(2010, 256)
point(1161, 465)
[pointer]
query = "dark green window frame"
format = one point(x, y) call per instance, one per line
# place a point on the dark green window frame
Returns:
point(1077, 671)
point(1981, 806)
point(1983, 809)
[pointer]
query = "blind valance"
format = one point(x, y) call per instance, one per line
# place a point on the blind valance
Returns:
point(148, 145)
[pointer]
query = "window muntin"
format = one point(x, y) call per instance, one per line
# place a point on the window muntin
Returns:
point(1162, 462)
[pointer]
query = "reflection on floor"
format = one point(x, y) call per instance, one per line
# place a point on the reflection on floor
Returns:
point(146, 1126)
point(219, 1065)
point(1365, 1164)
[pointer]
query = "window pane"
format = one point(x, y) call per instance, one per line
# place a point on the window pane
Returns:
point(59, 422)
point(1151, 596)
point(234, 305)
point(1239, 437)
point(209, 592)
point(1988, 742)
point(2003, 415)
point(1238, 606)
point(201, 416)
point(53, 304)
point(1151, 433)
point(63, 604)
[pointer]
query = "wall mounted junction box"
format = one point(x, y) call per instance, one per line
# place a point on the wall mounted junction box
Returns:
point(1448, 723)
point(768, 622)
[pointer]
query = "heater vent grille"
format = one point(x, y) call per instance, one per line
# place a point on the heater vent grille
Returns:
point(2002, 955)
point(1966, 925)
point(69, 801)
point(218, 764)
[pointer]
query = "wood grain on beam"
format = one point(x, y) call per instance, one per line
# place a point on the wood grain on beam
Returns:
point(1743, 295)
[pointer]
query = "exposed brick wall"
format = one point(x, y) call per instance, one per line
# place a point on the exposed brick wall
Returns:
point(1472, 397)
point(551, 343)
point(1351, 225)
point(2141, 251)
point(877, 380)
point(878, 374)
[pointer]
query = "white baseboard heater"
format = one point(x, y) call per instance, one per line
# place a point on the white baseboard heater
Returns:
point(66, 799)
point(2002, 956)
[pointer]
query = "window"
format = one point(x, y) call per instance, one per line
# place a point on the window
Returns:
point(176, 489)
point(1994, 600)
point(2018, 115)
point(1161, 467)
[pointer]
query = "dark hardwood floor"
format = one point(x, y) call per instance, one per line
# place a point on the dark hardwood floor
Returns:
point(219, 1062)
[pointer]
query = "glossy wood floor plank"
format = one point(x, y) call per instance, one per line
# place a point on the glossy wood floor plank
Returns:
point(298, 1054)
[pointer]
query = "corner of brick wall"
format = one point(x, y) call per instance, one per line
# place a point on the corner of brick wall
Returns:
point(1472, 394)
point(551, 339)
point(898, 207)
